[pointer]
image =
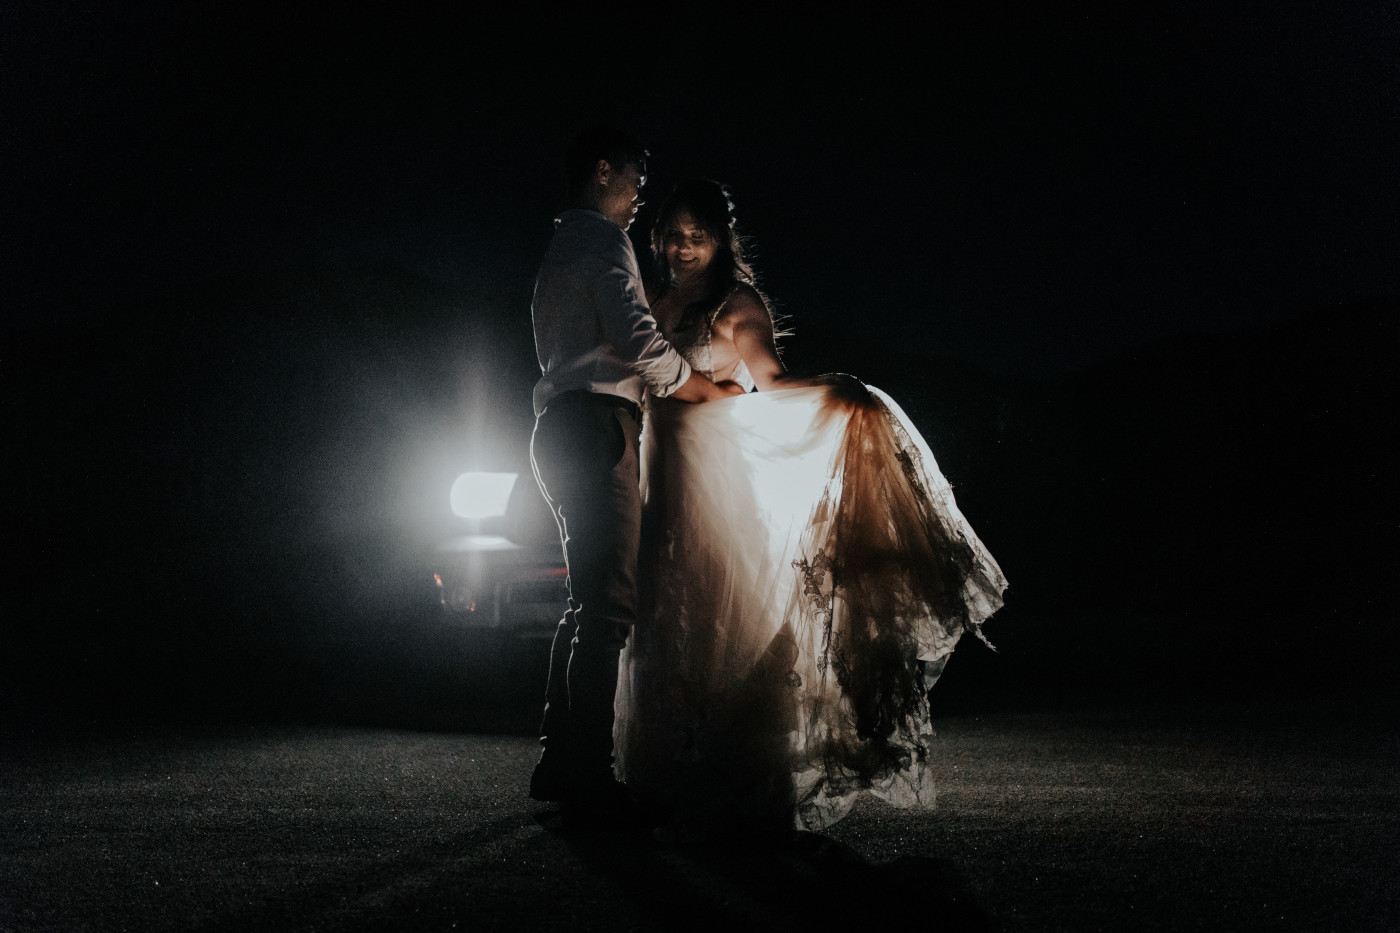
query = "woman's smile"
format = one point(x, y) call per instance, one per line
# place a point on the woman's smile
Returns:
point(689, 247)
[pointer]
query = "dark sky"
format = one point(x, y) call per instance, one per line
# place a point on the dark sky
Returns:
point(266, 282)
point(1027, 191)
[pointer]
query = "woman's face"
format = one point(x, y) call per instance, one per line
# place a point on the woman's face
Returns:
point(689, 248)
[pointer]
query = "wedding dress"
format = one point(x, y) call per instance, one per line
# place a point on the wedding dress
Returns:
point(805, 576)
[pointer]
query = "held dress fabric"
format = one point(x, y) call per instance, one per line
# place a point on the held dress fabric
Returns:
point(806, 575)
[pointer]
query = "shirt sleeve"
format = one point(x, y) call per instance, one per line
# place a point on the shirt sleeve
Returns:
point(627, 322)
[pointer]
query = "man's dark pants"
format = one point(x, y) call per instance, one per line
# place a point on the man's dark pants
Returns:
point(585, 454)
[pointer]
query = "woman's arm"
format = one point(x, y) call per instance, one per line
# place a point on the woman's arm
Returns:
point(747, 322)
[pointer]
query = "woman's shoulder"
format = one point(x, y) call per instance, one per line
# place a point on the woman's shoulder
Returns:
point(743, 302)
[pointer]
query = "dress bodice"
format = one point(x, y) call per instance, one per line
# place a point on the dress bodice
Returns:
point(691, 338)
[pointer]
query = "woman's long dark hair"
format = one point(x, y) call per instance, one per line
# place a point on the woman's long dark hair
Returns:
point(712, 208)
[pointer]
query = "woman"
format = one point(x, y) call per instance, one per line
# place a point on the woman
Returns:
point(806, 575)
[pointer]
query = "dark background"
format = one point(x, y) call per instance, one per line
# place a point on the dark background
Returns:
point(267, 283)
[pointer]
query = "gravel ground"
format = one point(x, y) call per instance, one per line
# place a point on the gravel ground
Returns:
point(1089, 819)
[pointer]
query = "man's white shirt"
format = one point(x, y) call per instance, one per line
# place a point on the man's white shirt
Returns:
point(593, 328)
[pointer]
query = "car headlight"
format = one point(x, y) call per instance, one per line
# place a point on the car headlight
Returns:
point(482, 495)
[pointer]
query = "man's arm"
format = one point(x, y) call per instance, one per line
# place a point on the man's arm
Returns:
point(630, 328)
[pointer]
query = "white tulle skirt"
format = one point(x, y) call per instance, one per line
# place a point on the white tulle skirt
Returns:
point(806, 574)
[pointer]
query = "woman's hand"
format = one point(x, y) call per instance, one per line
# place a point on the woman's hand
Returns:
point(730, 388)
point(844, 386)
point(697, 388)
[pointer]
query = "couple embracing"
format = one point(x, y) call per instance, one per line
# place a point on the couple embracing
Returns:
point(765, 582)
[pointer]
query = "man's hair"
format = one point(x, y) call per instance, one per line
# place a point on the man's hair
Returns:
point(600, 142)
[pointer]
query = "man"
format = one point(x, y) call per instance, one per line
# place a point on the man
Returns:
point(599, 352)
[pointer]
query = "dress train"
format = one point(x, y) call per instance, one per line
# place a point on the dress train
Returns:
point(806, 574)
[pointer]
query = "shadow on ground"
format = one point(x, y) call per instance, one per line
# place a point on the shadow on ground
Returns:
point(804, 881)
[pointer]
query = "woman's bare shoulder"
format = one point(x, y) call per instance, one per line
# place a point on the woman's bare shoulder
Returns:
point(744, 304)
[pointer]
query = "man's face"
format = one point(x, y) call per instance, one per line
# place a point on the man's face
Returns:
point(621, 195)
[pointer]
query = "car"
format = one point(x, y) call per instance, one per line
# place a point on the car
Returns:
point(507, 572)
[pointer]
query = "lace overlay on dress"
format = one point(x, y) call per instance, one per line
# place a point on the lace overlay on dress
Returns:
point(806, 573)
point(691, 337)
